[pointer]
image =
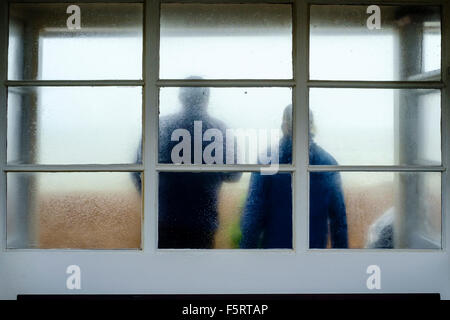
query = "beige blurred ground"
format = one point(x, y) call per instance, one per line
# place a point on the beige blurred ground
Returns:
point(113, 221)
point(89, 221)
point(364, 206)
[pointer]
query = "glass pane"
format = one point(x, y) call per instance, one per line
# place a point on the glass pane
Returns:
point(225, 210)
point(376, 126)
point(235, 41)
point(108, 44)
point(381, 210)
point(73, 210)
point(225, 125)
point(74, 125)
point(346, 43)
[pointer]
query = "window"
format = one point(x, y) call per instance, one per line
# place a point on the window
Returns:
point(163, 128)
point(228, 125)
point(226, 41)
point(202, 125)
point(54, 122)
point(382, 125)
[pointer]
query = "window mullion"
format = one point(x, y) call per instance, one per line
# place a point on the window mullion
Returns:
point(151, 122)
point(445, 107)
point(301, 125)
point(3, 119)
point(216, 168)
point(376, 84)
point(73, 83)
point(74, 168)
point(377, 168)
point(226, 83)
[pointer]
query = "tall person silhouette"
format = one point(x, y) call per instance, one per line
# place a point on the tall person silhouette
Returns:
point(188, 201)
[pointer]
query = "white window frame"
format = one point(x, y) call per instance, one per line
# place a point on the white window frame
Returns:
point(301, 270)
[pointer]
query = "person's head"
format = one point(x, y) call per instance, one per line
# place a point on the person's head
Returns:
point(194, 99)
point(286, 126)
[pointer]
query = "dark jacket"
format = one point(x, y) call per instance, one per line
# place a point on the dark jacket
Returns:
point(267, 216)
point(187, 201)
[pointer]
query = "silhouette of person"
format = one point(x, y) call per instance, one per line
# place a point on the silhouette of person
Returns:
point(267, 216)
point(188, 201)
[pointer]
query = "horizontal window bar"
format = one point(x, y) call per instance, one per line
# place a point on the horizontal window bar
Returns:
point(74, 168)
point(69, 250)
point(78, 83)
point(376, 84)
point(207, 168)
point(393, 251)
point(214, 168)
point(377, 168)
point(225, 83)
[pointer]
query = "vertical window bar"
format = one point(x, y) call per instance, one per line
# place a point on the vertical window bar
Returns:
point(301, 125)
point(3, 128)
point(151, 118)
point(445, 101)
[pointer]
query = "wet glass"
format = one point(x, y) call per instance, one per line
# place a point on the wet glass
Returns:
point(375, 210)
point(74, 125)
point(108, 44)
point(346, 43)
point(377, 126)
point(224, 210)
point(74, 210)
point(229, 125)
point(226, 41)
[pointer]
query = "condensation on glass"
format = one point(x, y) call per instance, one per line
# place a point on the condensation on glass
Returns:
point(345, 46)
point(107, 46)
point(224, 210)
point(377, 126)
point(231, 125)
point(74, 125)
point(381, 210)
point(92, 210)
point(226, 41)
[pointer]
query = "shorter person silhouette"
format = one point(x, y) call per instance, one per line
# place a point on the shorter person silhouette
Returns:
point(267, 217)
